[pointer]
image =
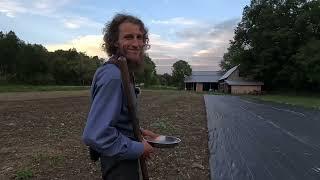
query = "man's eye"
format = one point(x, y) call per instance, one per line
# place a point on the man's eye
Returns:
point(128, 37)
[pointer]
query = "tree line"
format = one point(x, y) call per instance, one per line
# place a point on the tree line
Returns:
point(23, 63)
point(278, 42)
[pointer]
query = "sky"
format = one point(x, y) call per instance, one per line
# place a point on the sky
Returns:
point(196, 31)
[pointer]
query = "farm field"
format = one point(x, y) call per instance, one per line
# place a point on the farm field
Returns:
point(40, 135)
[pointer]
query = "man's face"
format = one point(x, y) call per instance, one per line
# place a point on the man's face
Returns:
point(130, 42)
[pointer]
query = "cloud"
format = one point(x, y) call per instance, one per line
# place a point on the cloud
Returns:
point(75, 23)
point(175, 21)
point(41, 7)
point(89, 44)
point(10, 8)
point(159, 44)
point(201, 46)
point(8, 14)
point(50, 4)
point(71, 25)
point(166, 1)
point(47, 8)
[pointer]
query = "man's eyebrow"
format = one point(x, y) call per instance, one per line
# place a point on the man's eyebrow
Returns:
point(133, 34)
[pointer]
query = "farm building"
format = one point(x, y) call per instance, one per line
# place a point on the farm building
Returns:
point(203, 81)
point(232, 82)
point(229, 82)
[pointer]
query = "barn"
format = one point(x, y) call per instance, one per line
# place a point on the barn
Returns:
point(203, 81)
point(232, 82)
point(228, 82)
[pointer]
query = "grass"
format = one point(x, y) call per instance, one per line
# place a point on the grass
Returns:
point(30, 88)
point(299, 100)
point(163, 125)
point(24, 174)
point(211, 93)
point(159, 87)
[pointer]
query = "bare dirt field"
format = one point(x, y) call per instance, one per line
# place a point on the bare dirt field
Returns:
point(40, 135)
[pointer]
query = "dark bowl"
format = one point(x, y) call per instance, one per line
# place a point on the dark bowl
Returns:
point(164, 142)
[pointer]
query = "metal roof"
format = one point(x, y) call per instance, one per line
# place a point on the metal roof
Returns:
point(244, 83)
point(228, 73)
point(206, 73)
point(204, 76)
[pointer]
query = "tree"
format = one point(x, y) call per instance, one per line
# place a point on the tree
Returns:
point(180, 70)
point(149, 74)
point(33, 65)
point(165, 79)
point(307, 60)
point(9, 46)
point(267, 40)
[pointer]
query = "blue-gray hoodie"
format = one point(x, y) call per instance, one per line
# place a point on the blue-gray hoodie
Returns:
point(109, 129)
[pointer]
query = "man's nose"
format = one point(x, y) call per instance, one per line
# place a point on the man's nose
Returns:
point(135, 42)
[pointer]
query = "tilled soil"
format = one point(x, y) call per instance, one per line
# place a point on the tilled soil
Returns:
point(40, 137)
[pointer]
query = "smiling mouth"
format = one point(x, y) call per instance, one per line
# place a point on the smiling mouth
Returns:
point(133, 51)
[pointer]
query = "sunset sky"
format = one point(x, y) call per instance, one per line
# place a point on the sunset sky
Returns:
point(197, 31)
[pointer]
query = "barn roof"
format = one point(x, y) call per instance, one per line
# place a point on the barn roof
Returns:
point(204, 76)
point(228, 73)
point(244, 83)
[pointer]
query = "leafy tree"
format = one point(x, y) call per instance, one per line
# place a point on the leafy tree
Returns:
point(149, 74)
point(271, 42)
point(33, 64)
point(165, 79)
point(9, 46)
point(180, 70)
point(307, 64)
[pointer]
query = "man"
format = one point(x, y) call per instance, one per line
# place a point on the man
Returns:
point(109, 128)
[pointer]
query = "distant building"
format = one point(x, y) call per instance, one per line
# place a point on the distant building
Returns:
point(203, 81)
point(229, 82)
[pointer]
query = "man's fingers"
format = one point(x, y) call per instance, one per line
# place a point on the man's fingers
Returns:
point(150, 133)
point(146, 156)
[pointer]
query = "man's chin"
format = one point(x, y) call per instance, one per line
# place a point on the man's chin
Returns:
point(135, 65)
point(135, 59)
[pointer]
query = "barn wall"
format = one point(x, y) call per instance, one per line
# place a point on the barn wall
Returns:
point(244, 89)
point(199, 87)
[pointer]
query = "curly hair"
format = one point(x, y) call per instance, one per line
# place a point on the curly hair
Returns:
point(111, 32)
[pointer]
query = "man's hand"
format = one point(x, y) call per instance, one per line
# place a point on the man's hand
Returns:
point(149, 134)
point(147, 150)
